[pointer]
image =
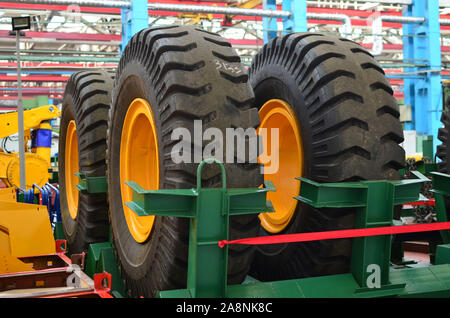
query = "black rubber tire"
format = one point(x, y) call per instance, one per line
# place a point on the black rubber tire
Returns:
point(443, 150)
point(86, 100)
point(174, 68)
point(350, 129)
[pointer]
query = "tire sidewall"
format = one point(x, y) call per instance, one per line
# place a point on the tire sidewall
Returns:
point(274, 82)
point(69, 224)
point(86, 97)
point(133, 83)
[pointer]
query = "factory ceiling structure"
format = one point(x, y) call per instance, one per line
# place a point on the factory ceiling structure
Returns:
point(68, 37)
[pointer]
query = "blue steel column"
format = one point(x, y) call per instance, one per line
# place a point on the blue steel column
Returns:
point(134, 19)
point(408, 55)
point(269, 23)
point(424, 93)
point(297, 22)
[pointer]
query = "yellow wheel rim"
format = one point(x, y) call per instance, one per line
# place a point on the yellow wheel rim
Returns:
point(139, 162)
point(278, 114)
point(71, 166)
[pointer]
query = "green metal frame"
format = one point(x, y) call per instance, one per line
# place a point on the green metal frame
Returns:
point(374, 200)
point(101, 258)
point(91, 184)
point(441, 190)
point(209, 210)
point(58, 231)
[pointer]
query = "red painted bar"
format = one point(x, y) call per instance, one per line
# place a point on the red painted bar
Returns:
point(26, 6)
point(105, 10)
point(7, 78)
point(67, 36)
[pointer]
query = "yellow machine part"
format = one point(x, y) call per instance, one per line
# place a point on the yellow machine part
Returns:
point(25, 230)
point(417, 157)
point(31, 119)
point(36, 168)
point(37, 164)
point(8, 195)
point(10, 264)
point(195, 18)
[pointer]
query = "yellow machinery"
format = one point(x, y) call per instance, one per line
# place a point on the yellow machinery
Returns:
point(196, 18)
point(23, 225)
point(37, 162)
point(25, 231)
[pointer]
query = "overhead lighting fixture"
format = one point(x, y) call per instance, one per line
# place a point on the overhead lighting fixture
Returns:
point(21, 23)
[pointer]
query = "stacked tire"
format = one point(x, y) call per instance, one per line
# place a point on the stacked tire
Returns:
point(167, 78)
point(328, 97)
point(175, 70)
point(350, 130)
point(82, 148)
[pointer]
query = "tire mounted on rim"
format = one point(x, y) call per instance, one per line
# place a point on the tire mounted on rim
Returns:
point(168, 77)
point(338, 121)
point(82, 148)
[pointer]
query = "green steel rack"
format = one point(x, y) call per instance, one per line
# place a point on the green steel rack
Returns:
point(100, 256)
point(374, 201)
point(210, 208)
point(91, 184)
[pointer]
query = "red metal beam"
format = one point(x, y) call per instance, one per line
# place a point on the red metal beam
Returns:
point(67, 36)
point(28, 93)
point(391, 47)
point(8, 78)
point(12, 98)
point(112, 37)
point(43, 65)
point(34, 87)
point(40, 7)
point(360, 15)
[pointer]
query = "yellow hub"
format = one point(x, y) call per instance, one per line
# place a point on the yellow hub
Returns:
point(139, 162)
point(71, 167)
point(278, 114)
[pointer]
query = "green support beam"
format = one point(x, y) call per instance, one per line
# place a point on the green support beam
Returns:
point(375, 201)
point(441, 190)
point(101, 258)
point(91, 184)
point(209, 210)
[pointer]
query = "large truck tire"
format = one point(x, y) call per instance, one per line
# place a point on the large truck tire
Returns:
point(82, 148)
point(167, 78)
point(338, 121)
point(443, 150)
